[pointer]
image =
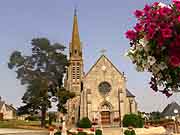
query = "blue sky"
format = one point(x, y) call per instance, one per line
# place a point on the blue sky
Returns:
point(102, 24)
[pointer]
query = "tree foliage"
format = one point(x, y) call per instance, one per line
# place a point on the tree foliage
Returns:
point(84, 123)
point(42, 72)
point(133, 120)
point(156, 115)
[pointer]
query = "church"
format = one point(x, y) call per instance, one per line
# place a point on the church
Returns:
point(101, 93)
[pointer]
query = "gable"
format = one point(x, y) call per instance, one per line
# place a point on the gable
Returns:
point(6, 107)
point(107, 61)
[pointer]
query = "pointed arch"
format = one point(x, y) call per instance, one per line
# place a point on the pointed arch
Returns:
point(105, 106)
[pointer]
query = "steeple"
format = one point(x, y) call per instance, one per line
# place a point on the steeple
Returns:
point(75, 68)
point(75, 46)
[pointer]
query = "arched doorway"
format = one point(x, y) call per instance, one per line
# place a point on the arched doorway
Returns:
point(105, 117)
point(105, 113)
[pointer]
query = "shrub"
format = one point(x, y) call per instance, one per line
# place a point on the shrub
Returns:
point(133, 120)
point(81, 133)
point(57, 133)
point(129, 132)
point(71, 133)
point(32, 118)
point(84, 123)
point(98, 132)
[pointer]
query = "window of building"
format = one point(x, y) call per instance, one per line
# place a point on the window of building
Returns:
point(73, 71)
point(78, 70)
point(75, 51)
point(104, 88)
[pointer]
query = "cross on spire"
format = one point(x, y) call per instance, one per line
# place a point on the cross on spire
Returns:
point(103, 51)
point(75, 11)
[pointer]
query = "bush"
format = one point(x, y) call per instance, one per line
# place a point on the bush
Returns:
point(98, 132)
point(57, 133)
point(84, 123)
point(133, 120)
point(129, 132)
point(81, 133)
point(32, 118)
point(71, 133)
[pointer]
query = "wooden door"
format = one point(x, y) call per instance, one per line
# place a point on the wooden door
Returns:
point(105, 118)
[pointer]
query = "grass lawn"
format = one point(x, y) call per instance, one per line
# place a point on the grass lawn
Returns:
point(20, 124)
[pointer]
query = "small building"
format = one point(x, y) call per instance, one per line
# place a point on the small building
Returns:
point(171, 110)
point(7, 112)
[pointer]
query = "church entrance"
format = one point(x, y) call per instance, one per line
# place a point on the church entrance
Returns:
point(105, 113)
point(105, 118)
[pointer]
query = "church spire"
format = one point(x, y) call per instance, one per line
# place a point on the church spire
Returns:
point(75, 43)
point(75, 68)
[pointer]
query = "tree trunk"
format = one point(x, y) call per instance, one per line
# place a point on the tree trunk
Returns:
point(43, 117)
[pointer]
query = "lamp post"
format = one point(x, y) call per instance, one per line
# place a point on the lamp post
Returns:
point(120, 120)
point(176, 126)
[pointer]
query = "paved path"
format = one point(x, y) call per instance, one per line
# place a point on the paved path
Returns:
point(5, 131)
point(26, 134)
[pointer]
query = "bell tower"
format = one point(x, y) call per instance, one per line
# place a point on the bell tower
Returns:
point(75, 69)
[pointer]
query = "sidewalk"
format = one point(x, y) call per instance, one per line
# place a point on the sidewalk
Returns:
point(15, 131)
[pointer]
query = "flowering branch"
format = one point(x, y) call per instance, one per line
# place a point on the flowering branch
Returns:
point(155, 45)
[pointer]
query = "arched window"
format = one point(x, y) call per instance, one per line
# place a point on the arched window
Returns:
point(78, 70)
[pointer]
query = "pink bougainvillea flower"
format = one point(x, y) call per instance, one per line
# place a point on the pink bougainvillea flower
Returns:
point(174, 61)
point(164, 25)
point(164, 11)
point(138, 27)
point(130, 34)
point(155, 4)
point(152, 26)
point(150, 34)
point(177, 3)
point(166, 33)
point(179, 19)
point(138, 13)
point(147, 8)
point(160, 42)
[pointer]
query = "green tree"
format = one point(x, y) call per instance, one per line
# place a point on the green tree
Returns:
point(42, 72)
point(133, 120)
point(156, 115)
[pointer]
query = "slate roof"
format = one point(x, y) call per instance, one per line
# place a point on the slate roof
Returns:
point(9, 107)
point(129, 94)
point(169, 109)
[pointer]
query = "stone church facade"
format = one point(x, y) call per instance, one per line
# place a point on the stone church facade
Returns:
point(101, 93)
